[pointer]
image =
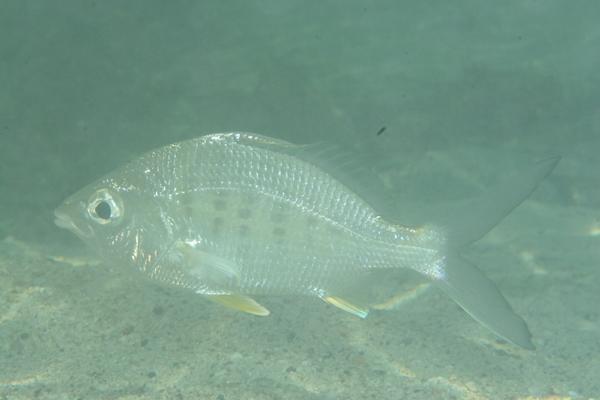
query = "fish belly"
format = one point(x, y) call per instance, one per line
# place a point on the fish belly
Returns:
point(278, 247)
point(282, 225)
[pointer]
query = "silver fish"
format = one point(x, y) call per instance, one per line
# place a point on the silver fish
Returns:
point(234, 215)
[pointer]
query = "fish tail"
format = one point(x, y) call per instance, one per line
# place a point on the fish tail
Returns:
point(481, 299)
point(467, 222)
point(462, 281)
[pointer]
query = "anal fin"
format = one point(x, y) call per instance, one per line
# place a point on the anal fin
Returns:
point(347, 306)
point(401, 297)
point(241, 303)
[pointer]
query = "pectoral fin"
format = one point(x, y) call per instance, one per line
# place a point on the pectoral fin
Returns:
point(345, 305)
point(213, 271)
point(241, 303)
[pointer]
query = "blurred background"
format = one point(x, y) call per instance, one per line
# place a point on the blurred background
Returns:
point(467, 92)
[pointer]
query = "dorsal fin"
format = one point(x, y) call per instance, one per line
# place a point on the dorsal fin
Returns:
point(348, 166)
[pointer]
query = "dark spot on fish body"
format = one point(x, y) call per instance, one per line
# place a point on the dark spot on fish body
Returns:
point(128, 329)
point(278, 231)
point(244, 213)
point(220, 205)
point(278, 217)
point(188, 210)
point(244, 230)
point(217, 225)
point(158, 310)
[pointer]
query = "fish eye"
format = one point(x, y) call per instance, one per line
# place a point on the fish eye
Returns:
point(105, 207)
point(103, 210)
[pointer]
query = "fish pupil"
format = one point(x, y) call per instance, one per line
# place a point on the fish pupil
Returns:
point(103, 210)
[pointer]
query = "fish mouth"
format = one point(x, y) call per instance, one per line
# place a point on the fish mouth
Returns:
point(62, 220)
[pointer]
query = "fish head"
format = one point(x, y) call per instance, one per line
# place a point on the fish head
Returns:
point(103, 215)
point(89, 211)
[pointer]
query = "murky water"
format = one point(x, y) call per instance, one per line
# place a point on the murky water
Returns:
point(468, 92)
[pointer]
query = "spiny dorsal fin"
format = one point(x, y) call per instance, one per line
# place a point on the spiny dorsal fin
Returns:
point(350, 167)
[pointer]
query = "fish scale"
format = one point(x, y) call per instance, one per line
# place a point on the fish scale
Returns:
point(238, 214)
point(232, 163)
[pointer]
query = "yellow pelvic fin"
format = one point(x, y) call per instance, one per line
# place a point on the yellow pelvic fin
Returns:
point(241, 303)
point(345, 305)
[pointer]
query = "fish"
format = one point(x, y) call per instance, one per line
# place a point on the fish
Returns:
point(236, 215)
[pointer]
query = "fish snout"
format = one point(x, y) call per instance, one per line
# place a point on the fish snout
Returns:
point(63, 220)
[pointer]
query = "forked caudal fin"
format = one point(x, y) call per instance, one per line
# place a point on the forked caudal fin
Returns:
point(480, 298)
point(469, 220)
point(463, 282)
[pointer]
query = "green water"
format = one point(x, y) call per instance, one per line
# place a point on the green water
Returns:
point(467, 92)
